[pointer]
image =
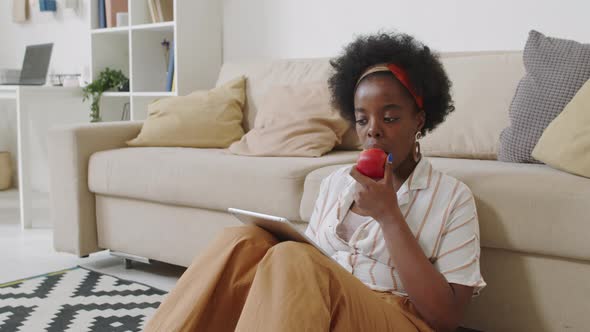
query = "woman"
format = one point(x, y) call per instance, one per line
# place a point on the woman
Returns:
point(407, 246)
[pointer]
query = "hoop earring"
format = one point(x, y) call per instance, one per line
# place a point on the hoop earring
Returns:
point(417, 152)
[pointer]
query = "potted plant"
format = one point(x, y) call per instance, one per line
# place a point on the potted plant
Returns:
point(107, 79)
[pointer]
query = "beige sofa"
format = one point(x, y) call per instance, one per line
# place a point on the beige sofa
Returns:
point(167, 203)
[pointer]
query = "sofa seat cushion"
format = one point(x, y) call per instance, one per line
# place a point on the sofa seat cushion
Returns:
point(207, 178)
point(522, 207)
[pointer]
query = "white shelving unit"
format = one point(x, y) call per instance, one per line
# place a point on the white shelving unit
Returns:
point(195, 33)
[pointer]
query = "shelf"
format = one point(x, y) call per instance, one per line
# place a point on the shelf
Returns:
point(194, 30)
point(8, 92)
point(109, 50)
point(139, 94)
point(115, 94)
point(115, 31)
point(163, 26)
point(154, 94)
point(112, 109)
point(149, 66)
point(141, 14)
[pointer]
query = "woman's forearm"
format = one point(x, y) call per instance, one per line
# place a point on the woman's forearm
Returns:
point(427, 288)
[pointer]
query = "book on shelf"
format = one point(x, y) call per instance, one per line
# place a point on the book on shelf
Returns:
point(170, 73)
point(161, 10)
point(173, 82)
point(112, 7)
point(152, 10)
point(102, 17)
point(47, 5)
point(167, 7)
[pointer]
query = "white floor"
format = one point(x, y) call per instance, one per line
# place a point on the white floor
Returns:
point(26, 253)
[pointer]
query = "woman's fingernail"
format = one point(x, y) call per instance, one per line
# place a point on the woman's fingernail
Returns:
point(390, 158)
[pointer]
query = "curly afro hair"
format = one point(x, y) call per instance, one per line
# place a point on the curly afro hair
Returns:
point(423, 67)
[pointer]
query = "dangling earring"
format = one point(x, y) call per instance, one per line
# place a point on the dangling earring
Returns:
point(417, 153)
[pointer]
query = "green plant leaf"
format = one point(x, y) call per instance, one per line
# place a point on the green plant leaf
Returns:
point(106, 80)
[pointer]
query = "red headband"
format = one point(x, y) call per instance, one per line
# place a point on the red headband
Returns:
point(401, 76)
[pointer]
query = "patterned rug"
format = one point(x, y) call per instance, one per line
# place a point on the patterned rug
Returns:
point(76, 299)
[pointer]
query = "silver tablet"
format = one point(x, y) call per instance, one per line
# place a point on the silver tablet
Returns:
point(281, 228)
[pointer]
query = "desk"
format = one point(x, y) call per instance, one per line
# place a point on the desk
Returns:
point(37, 109)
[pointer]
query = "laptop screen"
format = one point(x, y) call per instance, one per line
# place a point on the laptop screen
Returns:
point(36, 63)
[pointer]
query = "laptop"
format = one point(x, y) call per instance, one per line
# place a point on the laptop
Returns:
point(35, 66)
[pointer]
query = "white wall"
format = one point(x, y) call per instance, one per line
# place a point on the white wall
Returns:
point(319, 28)
point(67, 29)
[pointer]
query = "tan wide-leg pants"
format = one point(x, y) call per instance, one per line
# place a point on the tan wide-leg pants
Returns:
point(248, 281)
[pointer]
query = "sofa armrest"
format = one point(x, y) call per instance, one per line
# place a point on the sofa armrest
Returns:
point(72, 203)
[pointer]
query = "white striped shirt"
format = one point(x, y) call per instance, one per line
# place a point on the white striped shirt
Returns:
point(440, 211)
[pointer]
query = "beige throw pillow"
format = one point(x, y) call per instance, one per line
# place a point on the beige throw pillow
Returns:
point(483, 86)
point(296, 121)
point(565, 143)
point(202, 119)
point(350, 140)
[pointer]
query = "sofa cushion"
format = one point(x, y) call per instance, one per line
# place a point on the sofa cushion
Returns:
point(523, 207)
point(311, 189)
point(555, 70)
point(202, 119)
point(294, 121)
point(207, 178)
point(565, 143)
point(262, 75)
point(266, 74)
point(471, 131)
point(483, 86)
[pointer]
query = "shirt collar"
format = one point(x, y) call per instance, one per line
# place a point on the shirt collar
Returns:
point(420, 177)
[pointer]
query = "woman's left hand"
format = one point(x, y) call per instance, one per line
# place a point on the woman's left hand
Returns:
point(377, 199)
